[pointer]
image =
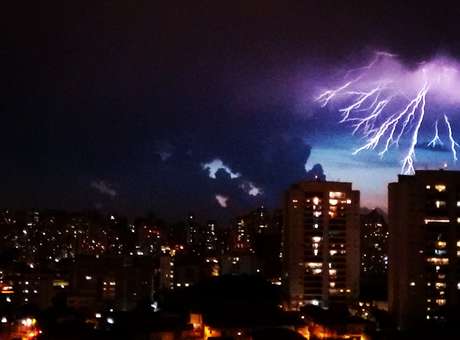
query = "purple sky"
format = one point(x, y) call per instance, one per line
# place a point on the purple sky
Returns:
point(118, 106)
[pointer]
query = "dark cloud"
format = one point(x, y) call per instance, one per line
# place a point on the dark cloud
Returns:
point(104, 188)
point(143, 94)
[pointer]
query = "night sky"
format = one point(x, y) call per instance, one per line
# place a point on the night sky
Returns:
point(119, 105)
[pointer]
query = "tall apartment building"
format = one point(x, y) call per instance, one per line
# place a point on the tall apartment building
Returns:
point(321, 243)
point(424, 247)
point(374, 256)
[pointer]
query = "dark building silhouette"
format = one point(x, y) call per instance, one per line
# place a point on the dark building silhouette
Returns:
point(424, 247)
point(374, 256)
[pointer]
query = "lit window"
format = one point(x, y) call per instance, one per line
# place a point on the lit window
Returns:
point(458, 203)
point(440, 187)
point(316, 238)
point(440, 285)
point(333, 201)
point(412, 284)
point(438, 260)
point(440, 302)
point(314, 264)
point(336, 194)
point(439, 220)
point(315, 200)
point(440, 204)
point(441, 244)
point(428, 187)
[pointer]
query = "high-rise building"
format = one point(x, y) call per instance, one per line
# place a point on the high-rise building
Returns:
point(424, 247)
point(242, 237)
point(321, 243)
point(210, 237)
point(191, 227)
point(374, 255)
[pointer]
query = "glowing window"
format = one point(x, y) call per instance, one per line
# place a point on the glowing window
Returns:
point(440, 285)
point(438, 260)
point(441, 244)
point(333, 201)
point(336, 194)
point(439, 220)
point(440, 302)
point(440, 204)
point(440, 187)
point(314, 264)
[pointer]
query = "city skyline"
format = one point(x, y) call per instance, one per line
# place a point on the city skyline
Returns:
point(242, 170)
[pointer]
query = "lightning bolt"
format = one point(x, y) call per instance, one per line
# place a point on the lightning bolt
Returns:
point(408, 161)
point(453, 143)
point(327, 96)
point(386, 131)
point(436, 140)
point(374, 110)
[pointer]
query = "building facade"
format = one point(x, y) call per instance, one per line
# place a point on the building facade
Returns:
point(374, 256)
point(424, 247)
point(321, 254)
